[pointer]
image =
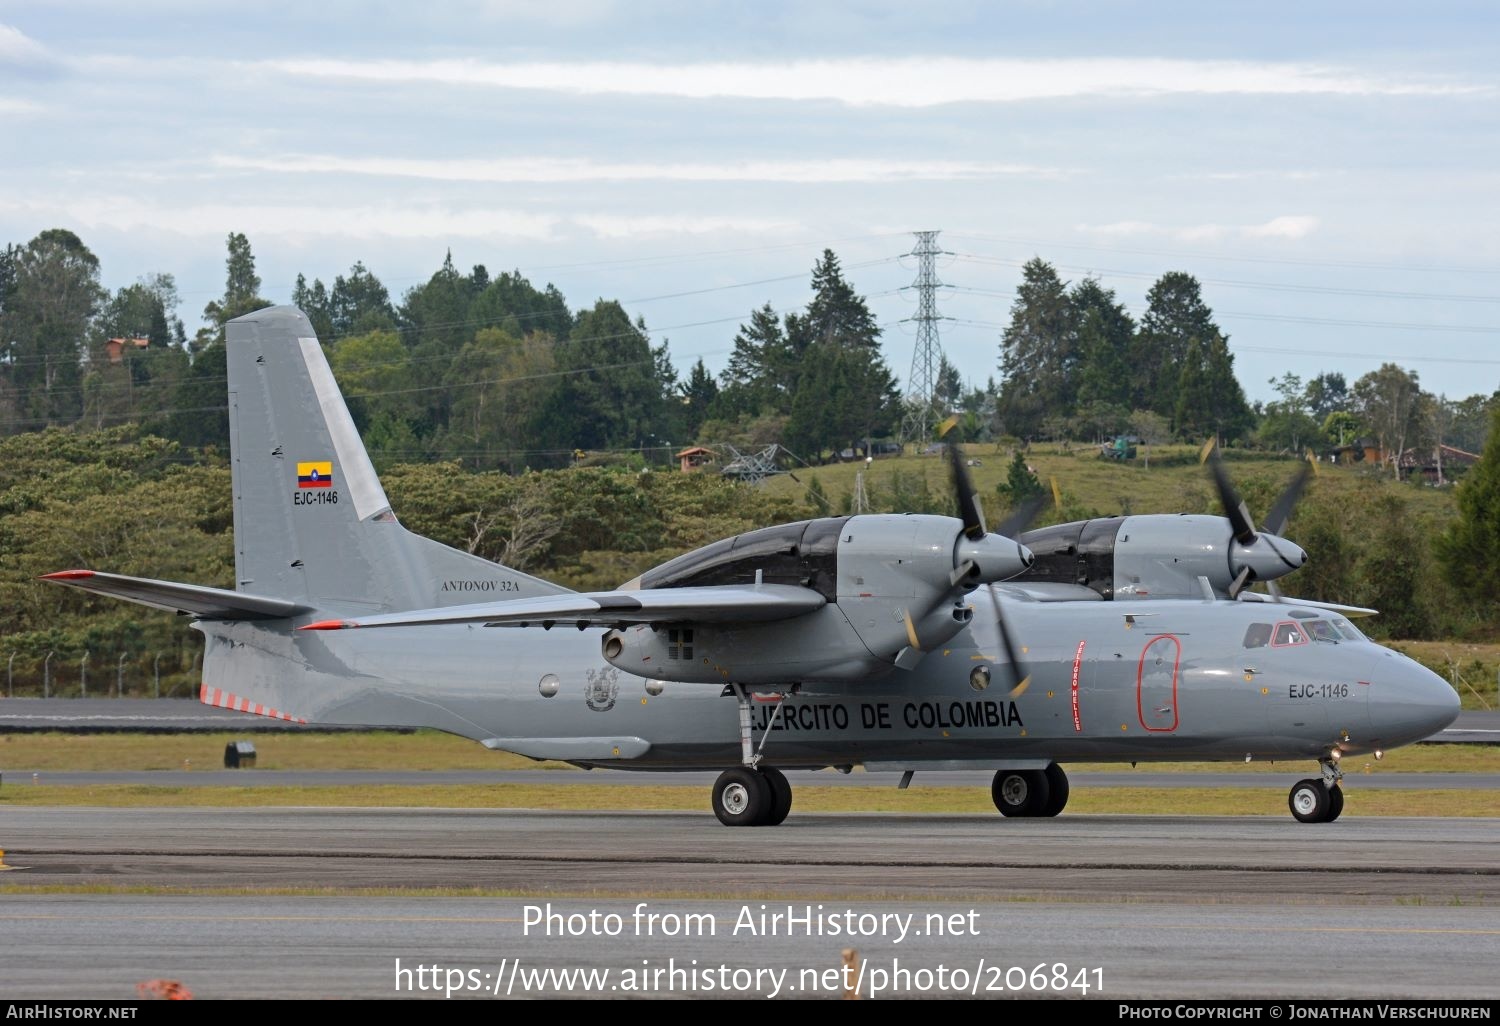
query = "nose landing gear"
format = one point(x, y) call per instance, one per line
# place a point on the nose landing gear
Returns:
point(1318, 800)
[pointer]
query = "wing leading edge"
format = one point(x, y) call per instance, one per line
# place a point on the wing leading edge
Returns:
point(759, 603)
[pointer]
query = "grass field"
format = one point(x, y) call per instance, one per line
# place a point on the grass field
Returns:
point(1174, 482)
point(430, 750)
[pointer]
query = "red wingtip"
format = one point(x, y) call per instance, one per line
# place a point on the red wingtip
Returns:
point(67, 575)
point(328, 625)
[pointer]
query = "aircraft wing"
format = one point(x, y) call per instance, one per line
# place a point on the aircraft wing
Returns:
point(1333, 607)
point(749, 603)
point(191, 599)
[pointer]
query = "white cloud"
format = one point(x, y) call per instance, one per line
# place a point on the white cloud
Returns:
point(18, 48)
point(293, 221)
point(899, 82)
point(609, 226)
point(568, 170)
point(1284, 227)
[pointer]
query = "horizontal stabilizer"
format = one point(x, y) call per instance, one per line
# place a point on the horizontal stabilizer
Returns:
point(750, 603)
point(191, 599)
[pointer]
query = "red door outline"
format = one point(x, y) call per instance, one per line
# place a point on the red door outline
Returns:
point(1140, 671)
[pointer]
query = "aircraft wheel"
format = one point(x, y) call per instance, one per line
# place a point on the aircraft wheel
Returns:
point(1020, 792)
point(1335, 803)
point(781, 796)
point(1057, 789)
point(1309, 801)
point(741, 797)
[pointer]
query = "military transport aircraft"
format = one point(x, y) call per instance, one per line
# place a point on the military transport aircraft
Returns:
point(903, 643)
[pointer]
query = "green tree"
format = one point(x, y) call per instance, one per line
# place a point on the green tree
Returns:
point(1469, 550)
point(1105, 334)
point(762, 371)
point(841, 367)
point(609, 396)
point(513, 304)
point(1020, 482)
point(1389, 403)
point(313, 301)
point(51, 298)
point(360, 303)
point(1038, 351)
point(1327, 393)
point(698, 394)
point(1175, 316)
point(241, 285)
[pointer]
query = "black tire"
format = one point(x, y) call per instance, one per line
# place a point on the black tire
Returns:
point(1335, 803)
point(1309, 801)
point(781, 795)
point(1020, 792)
point(1057, 789)
point(741, 797)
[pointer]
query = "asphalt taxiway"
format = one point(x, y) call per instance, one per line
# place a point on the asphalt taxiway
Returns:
point(1165, 907)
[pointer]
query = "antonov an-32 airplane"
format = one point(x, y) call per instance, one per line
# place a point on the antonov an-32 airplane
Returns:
point(880, 641)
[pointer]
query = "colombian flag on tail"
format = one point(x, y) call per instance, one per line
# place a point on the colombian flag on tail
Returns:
point(315, 475)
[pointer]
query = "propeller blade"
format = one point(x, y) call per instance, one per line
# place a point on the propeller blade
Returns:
point(1020, 679)
point(1021, 518)
point(963, 490)
point(1276, 520)
point(1234, 507)
point(1238, 584)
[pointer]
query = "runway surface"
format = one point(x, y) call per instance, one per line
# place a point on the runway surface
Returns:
point(1165, 907)
point(100, 947)
point(186, 714)
point(1280, 780)
point(1197, 859)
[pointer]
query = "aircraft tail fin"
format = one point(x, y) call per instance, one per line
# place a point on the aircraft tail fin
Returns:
point(312, 524)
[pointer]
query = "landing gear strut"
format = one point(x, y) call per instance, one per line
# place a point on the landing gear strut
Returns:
point(751, 794)
point(1041, 792)
point(1318, 800)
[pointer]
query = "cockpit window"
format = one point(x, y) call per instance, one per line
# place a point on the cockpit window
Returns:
point(1321, 630)
point(1257, 635)
point(1288, 633)
point(1347, 629)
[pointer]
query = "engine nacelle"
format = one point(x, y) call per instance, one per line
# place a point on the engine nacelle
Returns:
point(896, 587)
point(819, 646)
point(1155, 556)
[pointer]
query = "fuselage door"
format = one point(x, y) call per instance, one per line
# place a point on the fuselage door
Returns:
point(1156, 684)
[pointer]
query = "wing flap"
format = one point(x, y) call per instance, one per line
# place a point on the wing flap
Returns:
point(758, 603)
point(190, 599)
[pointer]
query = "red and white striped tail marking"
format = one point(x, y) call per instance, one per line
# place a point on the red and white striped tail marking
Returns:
point(224, 700)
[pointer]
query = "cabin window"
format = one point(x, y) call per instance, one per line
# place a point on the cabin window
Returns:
point(1347, 629)
point(1322, 630)
point(1257, 635)
point(1287, 634)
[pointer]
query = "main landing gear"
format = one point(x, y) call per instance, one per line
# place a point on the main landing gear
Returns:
point(1318, 800)
point(752, 794)
point(1042, 792)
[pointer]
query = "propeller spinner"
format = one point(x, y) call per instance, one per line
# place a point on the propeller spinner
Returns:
point(1258, 555)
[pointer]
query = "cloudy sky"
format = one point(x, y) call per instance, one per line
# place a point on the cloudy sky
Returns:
point(1329, 171)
